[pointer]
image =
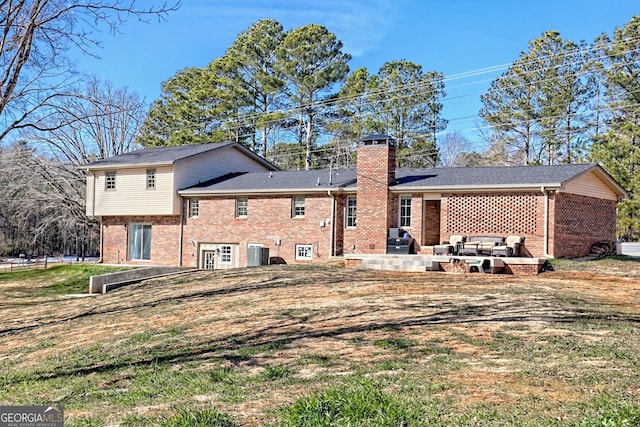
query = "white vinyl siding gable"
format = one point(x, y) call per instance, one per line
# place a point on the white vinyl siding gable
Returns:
point(206, 166)
point(131, 196)
point(589, 185)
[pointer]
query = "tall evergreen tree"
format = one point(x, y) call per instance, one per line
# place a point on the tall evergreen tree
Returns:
point(538, 107)
point(311, 60)
point(407, 104)
point(618, 150)
point(353, 118)
point(252, 61)
point(187, 111)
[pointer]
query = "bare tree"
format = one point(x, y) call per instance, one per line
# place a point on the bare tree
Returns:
point(452, 149)
point(100, 121)
point(42, 188)
point(34, 37)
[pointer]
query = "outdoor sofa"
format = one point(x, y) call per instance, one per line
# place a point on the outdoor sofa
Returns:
point(480, 245)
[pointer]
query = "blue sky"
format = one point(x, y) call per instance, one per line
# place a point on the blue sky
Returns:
point(454, 37)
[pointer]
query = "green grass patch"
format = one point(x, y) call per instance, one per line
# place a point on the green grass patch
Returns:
point(274, 372)
point(360, 402)
point(199, 418)
point(53, 281)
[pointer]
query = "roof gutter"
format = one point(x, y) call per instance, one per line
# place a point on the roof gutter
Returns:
point(546, 192)
point(112, 166)
point(252, 192)
point(471, 188)
point(181, 233)
point(332, 227)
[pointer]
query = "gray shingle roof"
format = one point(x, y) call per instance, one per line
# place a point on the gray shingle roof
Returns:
point(156, 155)
point(538, 175)
point(406, 179)
point(276, 181)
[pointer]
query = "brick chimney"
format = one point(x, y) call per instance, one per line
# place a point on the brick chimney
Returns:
point(376, 170)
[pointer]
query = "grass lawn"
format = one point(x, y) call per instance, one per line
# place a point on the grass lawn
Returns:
point(322, 345)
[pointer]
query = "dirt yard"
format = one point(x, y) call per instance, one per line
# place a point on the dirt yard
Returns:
point(252, 341)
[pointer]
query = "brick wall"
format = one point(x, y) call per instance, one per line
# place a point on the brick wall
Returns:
point(376, 170)
point(165, 237)
point(495, 214)
point(416, 229)
point(269, 222)
point(580, 222)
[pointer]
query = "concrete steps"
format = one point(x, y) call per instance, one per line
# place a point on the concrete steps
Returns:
point(402, 263)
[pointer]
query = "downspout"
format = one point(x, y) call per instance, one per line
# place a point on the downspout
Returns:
point(101, 260)
point(546, 223)
point(333, 221)
point(181, 231)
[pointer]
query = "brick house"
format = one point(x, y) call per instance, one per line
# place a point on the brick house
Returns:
point(222, 206)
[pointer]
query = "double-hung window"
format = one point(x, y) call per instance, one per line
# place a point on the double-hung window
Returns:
point(298, 207)
point(242, 207)
point(351, 211)
point(405, 211)
point(140, 242)
point(194, 207)
point(110, 180)
point(151, 179)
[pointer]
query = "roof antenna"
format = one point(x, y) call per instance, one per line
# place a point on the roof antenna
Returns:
point(318, 183)
point(270, 174)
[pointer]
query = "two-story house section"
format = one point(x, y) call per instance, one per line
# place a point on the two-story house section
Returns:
point(135, 196)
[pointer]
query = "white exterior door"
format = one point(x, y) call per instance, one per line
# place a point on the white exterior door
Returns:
point(209, 260)
point(218, 256)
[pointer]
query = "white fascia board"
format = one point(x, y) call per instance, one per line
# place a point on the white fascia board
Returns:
point(476, 188)
point(126, 166)
point(259, 192)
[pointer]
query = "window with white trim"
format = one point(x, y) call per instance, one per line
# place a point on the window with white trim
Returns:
point(151, 179)
point(351, 211)
point(405, 211)
point(110, 180)
point(225, 254)
point(194, 208)
point(242, 207)
point(140, 242)
point(304, 252)
point(298, 207)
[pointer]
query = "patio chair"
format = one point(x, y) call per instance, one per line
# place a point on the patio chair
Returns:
point(511, 247)
point(451, 246)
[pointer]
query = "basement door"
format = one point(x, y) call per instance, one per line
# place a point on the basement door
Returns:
point(209, 260)
point(216, 256)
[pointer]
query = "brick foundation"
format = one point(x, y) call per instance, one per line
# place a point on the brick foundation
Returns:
point(269, 222)
point(165, 239)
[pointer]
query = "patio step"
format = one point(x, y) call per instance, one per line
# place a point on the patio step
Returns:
point(400, 263)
